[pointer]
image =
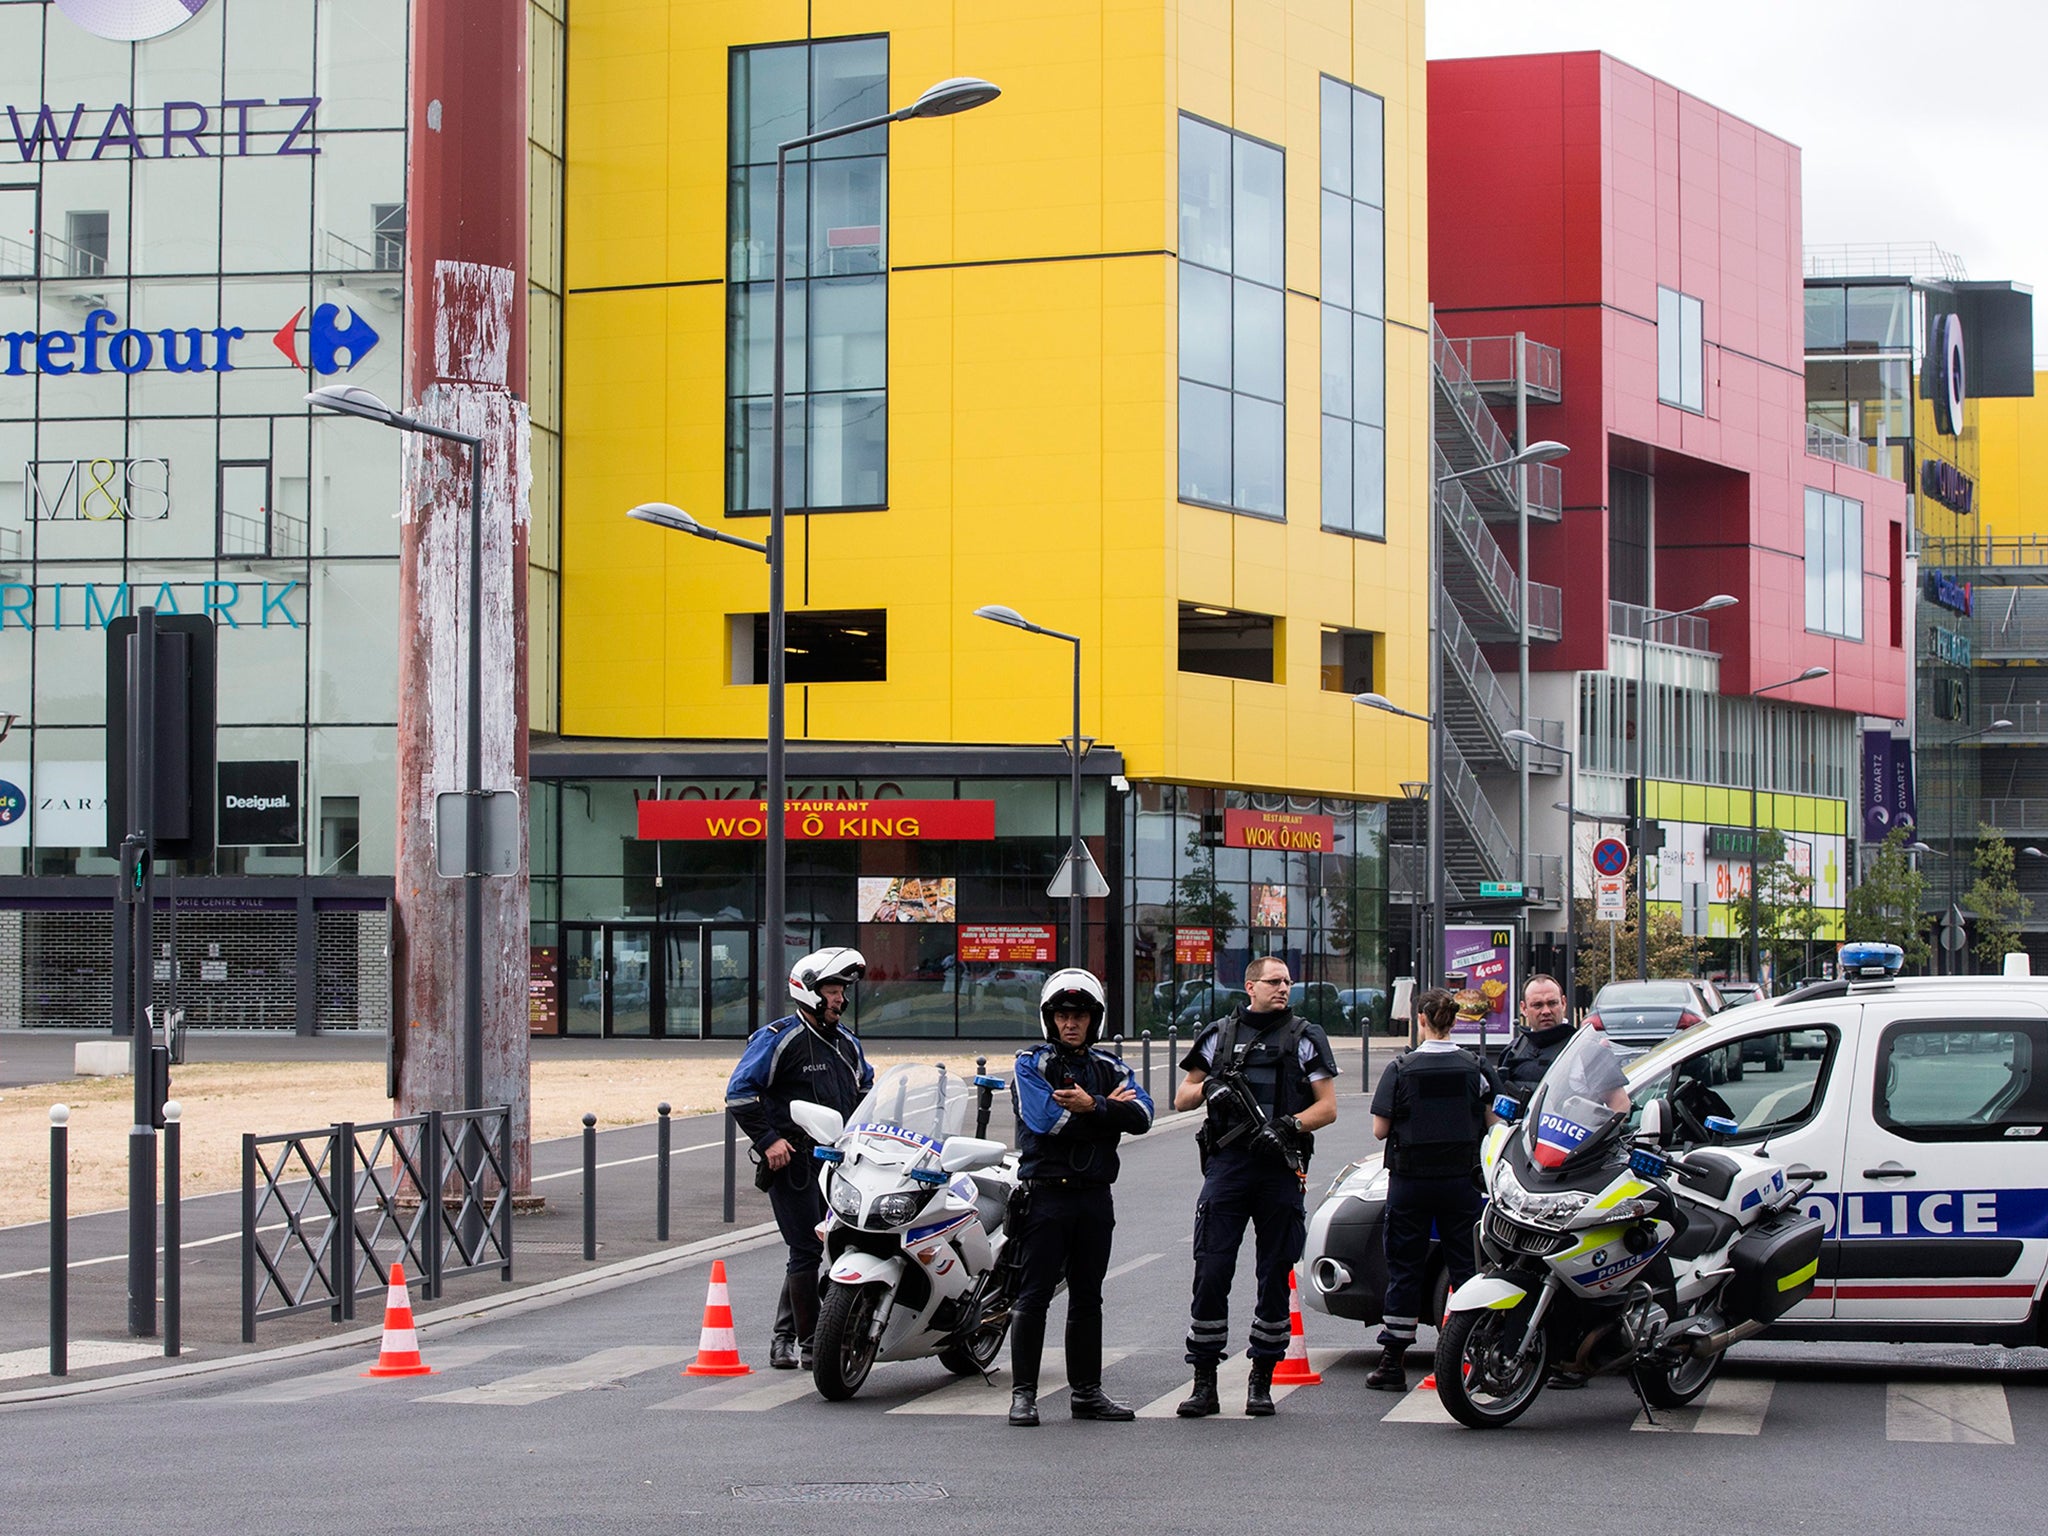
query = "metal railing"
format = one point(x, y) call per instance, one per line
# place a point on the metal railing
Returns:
point(1490, 361)
point(17, 258)
point(1465, 399)
point(2028, 817)
point(1496, 848)
point(326, 1213)
point(63, 259)
point(1469, 530)
point(340, 254)
point(1626, 620)
point(1546, 610)
point(1824, 442)
point(1462, 652)
point(274, 535)
point(2025, 549)
point(1876, 258)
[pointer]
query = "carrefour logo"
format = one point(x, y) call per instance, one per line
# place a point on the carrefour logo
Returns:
point(104, 345)
point(131, 21)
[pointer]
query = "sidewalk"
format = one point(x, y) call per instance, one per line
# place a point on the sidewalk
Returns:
point(547, 1246)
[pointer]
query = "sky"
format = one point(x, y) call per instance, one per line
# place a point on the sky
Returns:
point(1917, 122)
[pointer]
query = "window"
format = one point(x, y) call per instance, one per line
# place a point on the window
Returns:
point(341, 834)
point(850, 645)
point(387, 235)
point(1628, 537)
point(1354, 396)
point(1221, 643)
point(85, 243)
point(245, 513)
point(1834, 565)
point(1768, 1084)
point(835, 291)
point(1954, 1081)
point(1348, 660)
point(1681, 351)
point(1233, 340)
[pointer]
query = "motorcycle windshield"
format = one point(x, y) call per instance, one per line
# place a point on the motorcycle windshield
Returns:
point(1580, 1103)
point(919, 1106)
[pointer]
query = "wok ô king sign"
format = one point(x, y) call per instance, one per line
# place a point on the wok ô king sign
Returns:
point(742, 821)
point(1286, 831)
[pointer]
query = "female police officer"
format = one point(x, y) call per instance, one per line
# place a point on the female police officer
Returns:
point(1431, 1111)
point(1074, 1103)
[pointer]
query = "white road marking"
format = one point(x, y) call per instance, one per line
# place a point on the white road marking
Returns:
point(1125, 1269)
point(1734, 1406)
point(1949, 1413)
point(350, 1378)
point(1419, 1407)
point(1230, 1379)
point(79, 1355)
point(605, 1368)
point(972, 1396)
point(746, 1394)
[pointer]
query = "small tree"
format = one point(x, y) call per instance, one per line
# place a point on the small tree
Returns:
point(1786, 918)
point(1994, 896)
point(1885, 907)
point(1673, 952)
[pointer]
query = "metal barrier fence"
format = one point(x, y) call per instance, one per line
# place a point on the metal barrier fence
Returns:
point(353, 1198)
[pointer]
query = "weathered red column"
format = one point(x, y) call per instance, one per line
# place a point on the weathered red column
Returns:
point(465, 371)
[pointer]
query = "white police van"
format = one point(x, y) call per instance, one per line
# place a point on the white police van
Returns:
point(1920, 1106)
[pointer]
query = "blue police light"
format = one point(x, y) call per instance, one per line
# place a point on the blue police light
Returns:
point(929, 1176)
point(1645, 1164)
point(828, 1154)
point(1506, 1108)
point(1872, 960)
point(1721, 1125)
point(990, 1082)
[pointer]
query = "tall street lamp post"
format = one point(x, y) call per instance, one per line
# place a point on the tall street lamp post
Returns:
point(1077, 950)
point(1525, 740)
point(942, 100)
point(354, 400)
point(1642, 796)
point(1756, 731)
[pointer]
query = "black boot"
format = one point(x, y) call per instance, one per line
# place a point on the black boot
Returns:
point(781, 1354)
point(803, 1311)
point(1202, 1402)
point(1084, 1370)
point(1027, 1344)
point(1258, 1392)
point(1094, 1403)
point(1388, 1375)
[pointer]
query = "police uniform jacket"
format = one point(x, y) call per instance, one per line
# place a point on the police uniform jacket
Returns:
point(1529, 1055)
point(1281, 1080)
point(790, 1060)
point(1436, 1096)
point(1057, 1143)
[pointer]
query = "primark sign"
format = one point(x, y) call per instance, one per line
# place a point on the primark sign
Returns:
point(96, 604)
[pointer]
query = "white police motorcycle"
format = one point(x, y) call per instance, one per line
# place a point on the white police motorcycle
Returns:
point(1607, 1253)
point(913, 1228)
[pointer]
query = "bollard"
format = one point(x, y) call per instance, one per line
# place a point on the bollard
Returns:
point(1172, 1055)
point(174, 1113)
point(732, 1153)
point(1146, 1036)
point(661, 1151)
point(60, 1239)
point(590, 1186)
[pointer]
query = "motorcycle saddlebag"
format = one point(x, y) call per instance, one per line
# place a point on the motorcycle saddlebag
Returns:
point(1774, 1264)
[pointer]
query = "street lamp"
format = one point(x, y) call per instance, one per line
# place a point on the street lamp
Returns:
point(1642, 796)
point(354, 400)
point(1756, 731)
point(1525, 740)
point(996, 613)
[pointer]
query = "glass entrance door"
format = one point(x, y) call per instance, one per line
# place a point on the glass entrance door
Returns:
point(682, 983)
point(582, 980)
point(729, 964)
point(630, 998)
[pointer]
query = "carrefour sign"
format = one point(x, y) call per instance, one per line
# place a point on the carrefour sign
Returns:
point(103, 345)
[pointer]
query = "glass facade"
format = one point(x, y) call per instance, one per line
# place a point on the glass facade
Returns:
point(835, 290)
point(1834, 564)
point(1681, 350)
point(1233, 333)
point(1354, 310)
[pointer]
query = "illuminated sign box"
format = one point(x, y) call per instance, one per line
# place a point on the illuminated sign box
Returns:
point(742, 821)
point(1286, 831)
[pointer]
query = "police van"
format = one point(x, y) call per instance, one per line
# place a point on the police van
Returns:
point(1919, 1107)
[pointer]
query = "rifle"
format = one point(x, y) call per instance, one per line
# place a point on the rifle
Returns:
point(1251, 1118)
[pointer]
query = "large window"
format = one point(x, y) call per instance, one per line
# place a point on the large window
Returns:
point(850, 645)
point(1834, 565)
point(1959, 1080)
point(1224, 643)
point(1354, 311)
point(1233, 337)
point(1681, 351)
point(835, 289)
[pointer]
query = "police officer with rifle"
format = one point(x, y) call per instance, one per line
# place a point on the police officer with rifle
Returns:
point(1268, 1081)
point(1075, 1101)
point(1431, 1109)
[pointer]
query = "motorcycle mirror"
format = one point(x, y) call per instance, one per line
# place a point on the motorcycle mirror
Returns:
point(1652, 1127)
point(816, 1121)
point(963, 1154)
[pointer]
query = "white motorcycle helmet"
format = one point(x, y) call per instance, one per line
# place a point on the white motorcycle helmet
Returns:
point(820, 966)
point(1072, 985)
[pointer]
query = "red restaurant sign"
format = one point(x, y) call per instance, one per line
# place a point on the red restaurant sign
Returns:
point(1285, 830)
point(1194, 946)
point(742, 821)
point(1015, 942)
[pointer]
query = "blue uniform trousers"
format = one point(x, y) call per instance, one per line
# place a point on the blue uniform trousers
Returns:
point(1244, 1187)
point(1417, 1205)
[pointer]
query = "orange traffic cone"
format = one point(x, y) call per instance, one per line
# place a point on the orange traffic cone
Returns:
point(400, 1355)
point(1294, 1369)
point(1428, 1383)
point(718, 1352)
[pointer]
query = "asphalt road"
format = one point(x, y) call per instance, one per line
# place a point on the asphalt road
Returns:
point(574, 1415)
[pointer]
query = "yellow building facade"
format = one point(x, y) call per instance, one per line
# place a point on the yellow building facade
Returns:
point(1032, 451)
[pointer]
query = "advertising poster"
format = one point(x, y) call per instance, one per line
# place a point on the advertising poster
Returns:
point(1194, 946)
point(543, 992)
point(1269, 906)
point(259, 805)
point(1011, 943)
point(905, 899)
point(1479, 964)
point(14, 786)
point(71, 805)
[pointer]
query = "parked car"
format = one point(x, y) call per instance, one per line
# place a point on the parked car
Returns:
point(1644, 1013)
point(1207, 1003)
point(1320, 1003)
point(1921, 1120)
point(1365, 1007)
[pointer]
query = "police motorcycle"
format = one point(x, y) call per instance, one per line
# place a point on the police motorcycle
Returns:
point(913, 1231)
point(1604, 1252)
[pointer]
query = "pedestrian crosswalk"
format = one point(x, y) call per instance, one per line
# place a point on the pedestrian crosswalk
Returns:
point(1923, 1411)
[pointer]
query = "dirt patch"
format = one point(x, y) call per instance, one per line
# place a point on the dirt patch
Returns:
point(224, 1100)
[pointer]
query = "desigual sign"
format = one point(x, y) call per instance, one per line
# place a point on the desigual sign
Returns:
point(131, 21)
point(96, 490)
point(103, 345)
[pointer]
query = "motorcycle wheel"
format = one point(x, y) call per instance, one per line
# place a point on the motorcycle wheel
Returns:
point(1674, 1386)
point(975, 1354)
point(1473, 1379)
point(844, 1347)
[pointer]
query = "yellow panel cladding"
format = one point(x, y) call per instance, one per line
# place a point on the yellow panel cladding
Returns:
point(1032, 341)
point(2012, 438)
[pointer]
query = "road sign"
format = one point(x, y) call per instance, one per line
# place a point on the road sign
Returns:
point(1610, 856)
point(1092, 883)
point(1610, 898)
point(1954, 936)
point(1501, 890)
point(1694, 908)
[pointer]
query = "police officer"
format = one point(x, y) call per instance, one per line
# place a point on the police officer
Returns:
point(1431, 1110)
point(1074, 1102)
point(1544, 1029)
point(1255, 1167)
point(805, 1056)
